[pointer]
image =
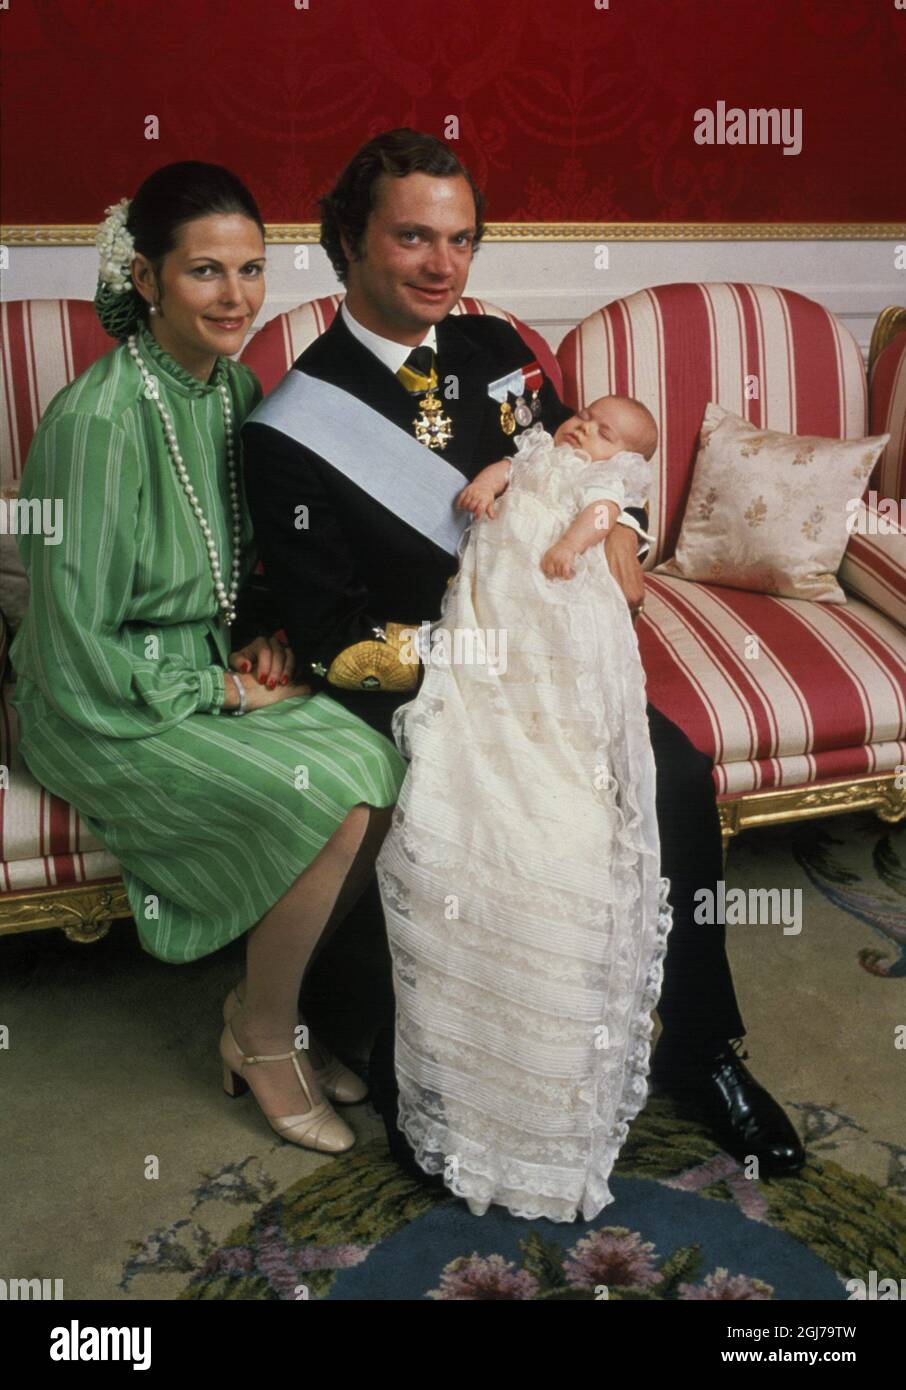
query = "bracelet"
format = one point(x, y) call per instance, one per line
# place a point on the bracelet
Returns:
point(241, 688)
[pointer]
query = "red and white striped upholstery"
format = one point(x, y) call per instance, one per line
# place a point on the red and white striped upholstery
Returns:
point(274, 348)
point(874, 566)
point(45, 345)
point(888, 413)
point(43, 844)
point(677, 347)
point(779, 692)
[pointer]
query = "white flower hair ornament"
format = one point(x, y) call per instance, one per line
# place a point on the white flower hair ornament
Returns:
point(116, 248)
point(117, 303)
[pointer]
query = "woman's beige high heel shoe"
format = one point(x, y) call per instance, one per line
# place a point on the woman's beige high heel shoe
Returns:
point(337, 1082)
point(321, 1128)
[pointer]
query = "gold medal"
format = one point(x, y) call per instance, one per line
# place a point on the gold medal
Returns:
point(507, 418)
point(432, 427)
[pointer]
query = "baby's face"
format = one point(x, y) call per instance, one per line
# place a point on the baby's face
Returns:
point(602, 429)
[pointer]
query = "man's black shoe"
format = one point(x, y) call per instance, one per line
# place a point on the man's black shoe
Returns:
point(744, 1117)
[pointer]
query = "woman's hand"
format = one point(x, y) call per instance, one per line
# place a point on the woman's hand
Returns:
point(269, 661)
point(557, 563)
point(259, 696)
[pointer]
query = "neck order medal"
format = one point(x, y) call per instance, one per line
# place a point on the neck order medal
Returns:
point(432, 426)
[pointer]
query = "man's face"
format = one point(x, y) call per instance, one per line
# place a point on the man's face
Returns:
point(416, 254)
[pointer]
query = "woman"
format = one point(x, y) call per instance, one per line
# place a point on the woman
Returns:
point(127, 688)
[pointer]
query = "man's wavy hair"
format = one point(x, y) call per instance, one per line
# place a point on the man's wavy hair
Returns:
point(350, 202)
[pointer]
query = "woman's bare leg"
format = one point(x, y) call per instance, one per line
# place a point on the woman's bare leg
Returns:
point(282, 945)
point(356, 881)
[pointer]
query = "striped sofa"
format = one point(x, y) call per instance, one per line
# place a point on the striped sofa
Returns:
point(822, 729)
point(53, 872)
point(817, 724)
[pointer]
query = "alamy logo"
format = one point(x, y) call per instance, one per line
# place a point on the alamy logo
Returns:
point(759, 125)
point(875, 1288)
point(24, 1289)
point(755, 907)
point(435, 645)
point(75, 1343)
point(32, 516)
point(881, 516)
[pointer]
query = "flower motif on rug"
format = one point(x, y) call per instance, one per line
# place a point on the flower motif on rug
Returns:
point(686, 1225)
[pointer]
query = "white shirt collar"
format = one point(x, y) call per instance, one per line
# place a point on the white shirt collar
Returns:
point(392, 354)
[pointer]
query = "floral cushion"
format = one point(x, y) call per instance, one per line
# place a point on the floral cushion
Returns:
point(769, 511)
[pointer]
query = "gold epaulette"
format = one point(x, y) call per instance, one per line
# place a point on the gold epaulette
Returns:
point(388, 662)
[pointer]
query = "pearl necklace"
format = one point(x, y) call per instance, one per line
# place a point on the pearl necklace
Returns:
point(226, 601)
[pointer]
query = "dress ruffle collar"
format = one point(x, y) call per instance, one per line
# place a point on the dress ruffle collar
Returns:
point(177, 375)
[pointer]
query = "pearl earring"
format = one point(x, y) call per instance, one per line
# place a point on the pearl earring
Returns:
point(152, 308)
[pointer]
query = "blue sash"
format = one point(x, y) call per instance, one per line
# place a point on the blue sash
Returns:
point(408, 478)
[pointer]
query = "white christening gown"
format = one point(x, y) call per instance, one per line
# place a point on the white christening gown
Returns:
point(526, 915)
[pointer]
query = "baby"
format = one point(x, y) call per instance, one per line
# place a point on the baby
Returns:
point(515, 808)
point(611, 425)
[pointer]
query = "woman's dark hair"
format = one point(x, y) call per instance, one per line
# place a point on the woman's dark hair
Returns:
point(178, 193)
point(350, 202)
point(167, 200)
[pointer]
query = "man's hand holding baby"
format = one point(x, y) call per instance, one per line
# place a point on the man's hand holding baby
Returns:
point(622, 560)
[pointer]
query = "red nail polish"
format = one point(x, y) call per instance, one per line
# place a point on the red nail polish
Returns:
point(284, 680)
point(272, 684)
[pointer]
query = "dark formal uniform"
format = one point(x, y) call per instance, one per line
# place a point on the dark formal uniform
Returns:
point(356, 567)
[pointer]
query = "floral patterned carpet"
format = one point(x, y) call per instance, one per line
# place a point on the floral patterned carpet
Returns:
point(122, 1049)
point(686, 1222)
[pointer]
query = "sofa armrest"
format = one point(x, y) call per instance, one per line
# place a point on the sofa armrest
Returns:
point(874, 566)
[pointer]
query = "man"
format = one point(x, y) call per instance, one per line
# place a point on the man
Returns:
point(398, 398)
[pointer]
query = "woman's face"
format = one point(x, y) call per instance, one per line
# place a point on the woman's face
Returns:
point(209, 290)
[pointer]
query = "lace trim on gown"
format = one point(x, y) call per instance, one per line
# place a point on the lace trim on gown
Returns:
point(500, 1090)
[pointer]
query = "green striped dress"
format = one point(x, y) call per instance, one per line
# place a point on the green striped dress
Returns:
point(120, 664)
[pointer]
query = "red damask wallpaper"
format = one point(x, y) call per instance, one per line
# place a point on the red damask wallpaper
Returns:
point(580, 110)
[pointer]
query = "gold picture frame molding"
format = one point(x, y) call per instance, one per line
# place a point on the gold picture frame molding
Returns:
point(308, 233)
